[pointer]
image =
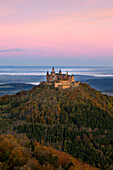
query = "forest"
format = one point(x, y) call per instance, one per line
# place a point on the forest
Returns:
point(77, 121)
point(18, 152)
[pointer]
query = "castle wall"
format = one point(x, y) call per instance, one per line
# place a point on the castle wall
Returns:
point(57, 84)
point(72, 78)
point(66, 84)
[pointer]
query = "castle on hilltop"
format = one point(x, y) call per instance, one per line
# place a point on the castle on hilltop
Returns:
point(60, 80)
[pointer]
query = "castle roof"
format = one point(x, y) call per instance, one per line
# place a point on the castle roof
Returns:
point(59, 76)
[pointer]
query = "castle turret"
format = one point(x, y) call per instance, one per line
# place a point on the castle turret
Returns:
point(53, 72)
point(72, 78)
point(47, 77)
point(60, 72)
point(53, 69)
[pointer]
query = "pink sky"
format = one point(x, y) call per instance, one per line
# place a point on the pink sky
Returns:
point(56, 28)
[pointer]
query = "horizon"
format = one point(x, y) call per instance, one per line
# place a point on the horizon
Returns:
point(77, 66)
point(56, 62)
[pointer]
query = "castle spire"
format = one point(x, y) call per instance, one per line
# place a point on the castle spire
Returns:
point(60, 72)
point(53, 69)
point(47, 77)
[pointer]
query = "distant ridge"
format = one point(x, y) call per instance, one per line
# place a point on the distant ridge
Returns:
point(13, 88)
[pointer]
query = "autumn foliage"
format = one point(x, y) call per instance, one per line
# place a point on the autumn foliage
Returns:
point(32, 155)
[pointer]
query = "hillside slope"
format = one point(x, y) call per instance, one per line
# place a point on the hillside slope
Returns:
point(78, 121)
point(19, 152)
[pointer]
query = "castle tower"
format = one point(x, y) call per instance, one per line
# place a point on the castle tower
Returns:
point(53, 69)
point(47, 77)
point(53, 72)
point(66, 75)
point(60, 72)
point(72, 78)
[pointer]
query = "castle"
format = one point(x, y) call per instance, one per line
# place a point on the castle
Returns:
point(60, 80)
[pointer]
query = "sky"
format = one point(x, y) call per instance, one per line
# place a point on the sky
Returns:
point(56, 32)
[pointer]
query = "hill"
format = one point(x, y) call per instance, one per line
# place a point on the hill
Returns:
point(13, 88)
point(101, 84)
point(78, 121)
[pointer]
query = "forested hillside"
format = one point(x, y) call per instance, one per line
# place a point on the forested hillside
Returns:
point(78, 121)
point(18, 152)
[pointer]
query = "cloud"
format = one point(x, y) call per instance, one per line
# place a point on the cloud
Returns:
point(11, 50)
point(38, 50)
